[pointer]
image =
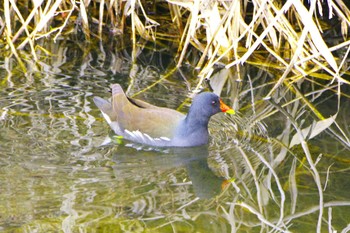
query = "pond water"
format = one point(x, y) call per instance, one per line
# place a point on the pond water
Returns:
point(61, 169)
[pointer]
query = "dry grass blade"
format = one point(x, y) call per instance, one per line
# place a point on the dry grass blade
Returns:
point(262, 218)
point(85, 20)
point(7, 18)
point(59, 29)
point(176, 17)
point(260, 39)
point(293, 186)
point(191, 27)
point(344, 13)
point(313, 130)
point(214, 29)
point(27, 21)
point(47, 15)
point(100, 22)
point(311, 163)
point(312, 29)
point(8, 32)
point(24, 27)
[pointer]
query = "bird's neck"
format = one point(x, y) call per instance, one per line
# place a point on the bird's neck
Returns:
point(195, 123)
point(195, 118)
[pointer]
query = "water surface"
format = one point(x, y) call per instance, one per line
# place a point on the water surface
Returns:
point(61, 169)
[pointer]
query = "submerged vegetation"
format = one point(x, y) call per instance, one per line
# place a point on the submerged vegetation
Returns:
point(300, 50)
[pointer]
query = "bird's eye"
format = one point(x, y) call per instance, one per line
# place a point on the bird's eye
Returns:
point(213, 102)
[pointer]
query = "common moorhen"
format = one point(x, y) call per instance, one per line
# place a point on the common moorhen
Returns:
point(145, 123)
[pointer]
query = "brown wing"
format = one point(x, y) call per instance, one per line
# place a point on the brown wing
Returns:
point(133, 114)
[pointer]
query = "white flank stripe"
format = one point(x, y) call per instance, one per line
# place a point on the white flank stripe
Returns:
point(145, 138)
point(106, 117)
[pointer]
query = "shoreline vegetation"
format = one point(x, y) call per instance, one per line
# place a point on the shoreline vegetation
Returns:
point(299, 39)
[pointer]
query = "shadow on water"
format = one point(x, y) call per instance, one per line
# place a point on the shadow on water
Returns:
point(205, 183)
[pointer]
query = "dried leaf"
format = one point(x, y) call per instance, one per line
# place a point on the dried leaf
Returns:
point(313, 130)
point(218, 80)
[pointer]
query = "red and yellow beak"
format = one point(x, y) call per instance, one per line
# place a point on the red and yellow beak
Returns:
point(225, 108)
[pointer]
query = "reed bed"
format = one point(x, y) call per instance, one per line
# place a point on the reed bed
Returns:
point(300, 39)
